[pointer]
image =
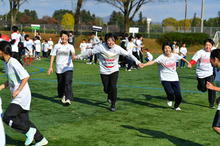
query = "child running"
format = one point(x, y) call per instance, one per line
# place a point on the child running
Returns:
point(17, 113)
point(215, 61)
point(28, 45)
point(168, 75)
point(204, 70)
point(64, 53)
point(108, 66)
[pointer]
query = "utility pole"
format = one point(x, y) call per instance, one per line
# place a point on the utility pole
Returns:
point(185, 15)
point(202, 15)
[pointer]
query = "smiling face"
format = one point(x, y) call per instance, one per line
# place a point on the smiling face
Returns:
point(64, 38)
point(167, 50)
point(208, 46)
point(110, 42)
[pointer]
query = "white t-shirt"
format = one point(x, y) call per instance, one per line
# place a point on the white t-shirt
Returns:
point(46, 46)
point(176, 50)
point(167, 67)
point(83, 47)
point(37, 45)
point(28, 45)
point(15, 36)
point(137, 43)
point(108, 58)
point(15, 73)
point(150, 56)
point(130, 47)
point(89, 45)
point(50, 43)
point(203, 66)
point(183, 50)
point(63, 55)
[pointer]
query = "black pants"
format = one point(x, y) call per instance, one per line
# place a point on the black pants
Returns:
point(202, 87)
point(173, 89)
point(18, 119)
point(95, 58)
point(141, 57)
point(110, 85)
point(137, 56)
point(130, 63)
point(65, 85)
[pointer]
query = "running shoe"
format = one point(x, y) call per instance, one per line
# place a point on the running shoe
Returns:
point(30, 136)
point(178, 109)
point(42, 142)
point(169, 103)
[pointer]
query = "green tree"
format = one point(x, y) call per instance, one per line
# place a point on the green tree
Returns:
point(212, 22)
point(58, 14)
point(196, 22)
point(32, 14)
point(140, 20)
point(169, 22)
point(68, 21)
point(117, 18)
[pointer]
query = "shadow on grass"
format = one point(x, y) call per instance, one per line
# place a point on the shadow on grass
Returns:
point(11, 141)
point(149, 97)
point(141, 103)
point(92, 102)
point(52, 99)
point(161, 135)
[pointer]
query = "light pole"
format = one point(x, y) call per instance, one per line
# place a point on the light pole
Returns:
point(148, 26)
point(185, 16)
point(202, 15)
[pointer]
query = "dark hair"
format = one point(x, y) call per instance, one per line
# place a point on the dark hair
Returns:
point(139, 36)
point(14, 28)
point(93, 33)
point(26, 36)
point(89, 40)
point(130, 38)
point(5, 47)
point(38, 32)
point(176, 44)
point(65, 32)
point(210, 41)
point(22, 30)
point(166, 44)
point(215, 54)
point(46, 41)
point(84, 40)
point(146, 49)
point(110, 35)
point(37, 37)
point(126, 35)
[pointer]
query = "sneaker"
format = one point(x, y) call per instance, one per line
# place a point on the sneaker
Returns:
point(128, 69)
point(211, 106)
point(169, 103)
point(113, 109)
point(89, 63)
point(29, 64)
point(109, 101)
point(68, 102)
point(63, 99)
point(94, 63)
point(24, 64)
point(42, 142)
point(178, 109)
point(30, 136)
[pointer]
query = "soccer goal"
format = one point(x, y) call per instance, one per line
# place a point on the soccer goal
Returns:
point(216, 39)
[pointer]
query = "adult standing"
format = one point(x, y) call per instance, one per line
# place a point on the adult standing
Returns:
point(64, 53)
point(108, 65)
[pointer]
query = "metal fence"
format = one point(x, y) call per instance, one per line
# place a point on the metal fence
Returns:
point(155, 30)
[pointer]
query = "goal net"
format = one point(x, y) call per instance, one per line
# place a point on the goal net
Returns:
point(216, 39)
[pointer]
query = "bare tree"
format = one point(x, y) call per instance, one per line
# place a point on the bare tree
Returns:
point(14, 9)
point(77, 14)
point(128, 7)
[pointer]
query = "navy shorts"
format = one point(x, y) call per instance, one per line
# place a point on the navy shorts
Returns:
point(216, 122)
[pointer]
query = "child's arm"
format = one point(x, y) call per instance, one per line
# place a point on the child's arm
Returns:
point(4, 85)
point(149, 63)
point(23, 82)
point(212, 87)
point(51, 65)
point(74, 56)
point(189, 64)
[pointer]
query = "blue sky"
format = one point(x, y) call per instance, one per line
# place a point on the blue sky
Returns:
point(157, 11)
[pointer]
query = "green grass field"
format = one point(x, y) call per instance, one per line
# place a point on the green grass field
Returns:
point(142, 116)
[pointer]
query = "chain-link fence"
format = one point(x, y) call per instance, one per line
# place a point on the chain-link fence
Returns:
point(155, 30)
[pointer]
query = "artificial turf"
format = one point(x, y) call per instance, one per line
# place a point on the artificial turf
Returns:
point(141, 118)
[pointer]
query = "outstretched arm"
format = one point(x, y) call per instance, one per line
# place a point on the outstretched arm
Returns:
point(189, 64)
point(149, 63)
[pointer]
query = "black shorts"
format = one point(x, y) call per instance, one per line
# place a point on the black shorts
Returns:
point(216, 122)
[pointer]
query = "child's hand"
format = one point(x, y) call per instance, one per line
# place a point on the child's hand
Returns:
point(209, 85)
point(217, 100)
point(140, 65)
point(50, 70)
point(1, 87)
point(74, 57)
point(15, 93)
point(189, 65)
